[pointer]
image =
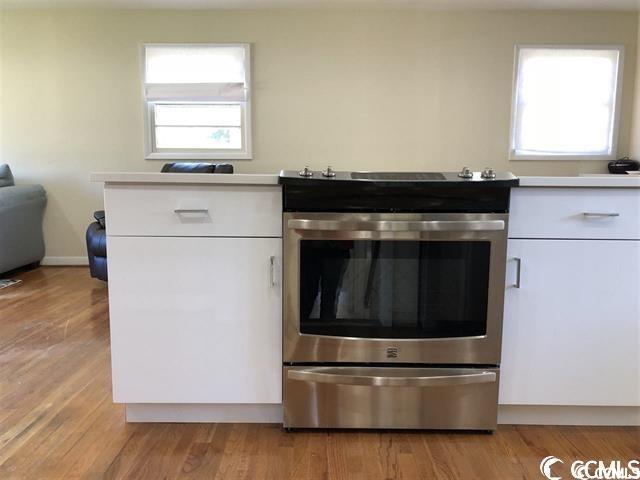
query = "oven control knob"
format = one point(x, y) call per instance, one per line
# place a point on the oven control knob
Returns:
point(306, 172)
point(488, 173)
point(465, 173)
point(329, 173)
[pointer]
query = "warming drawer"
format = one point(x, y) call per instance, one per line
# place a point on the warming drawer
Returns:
point(390, 397)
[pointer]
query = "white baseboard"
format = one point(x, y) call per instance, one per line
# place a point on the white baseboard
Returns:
point(64, 261)
point(204, 413)
point(568, 415)
point(272, 413)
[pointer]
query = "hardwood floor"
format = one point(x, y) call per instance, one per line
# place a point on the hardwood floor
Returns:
point(57, 420)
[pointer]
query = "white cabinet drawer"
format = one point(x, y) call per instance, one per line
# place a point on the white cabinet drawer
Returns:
point(193, 210)
point(594, 213)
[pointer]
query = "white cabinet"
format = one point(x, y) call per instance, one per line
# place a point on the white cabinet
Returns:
point(195, 297)
point(571, 332)
point(195, 320)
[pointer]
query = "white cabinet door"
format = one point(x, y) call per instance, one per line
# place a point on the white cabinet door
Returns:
point(195, 320)
point(571, 331)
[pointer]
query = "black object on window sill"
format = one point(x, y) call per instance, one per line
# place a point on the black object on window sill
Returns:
point(623, 165)
point(188, 167)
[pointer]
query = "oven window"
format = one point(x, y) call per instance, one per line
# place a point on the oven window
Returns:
point(394, 289)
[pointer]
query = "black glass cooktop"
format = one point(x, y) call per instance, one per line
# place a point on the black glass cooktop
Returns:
point(437, 192)
point(410, 176)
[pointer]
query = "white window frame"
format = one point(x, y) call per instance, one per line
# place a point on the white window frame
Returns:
point(617, 105)
point(151, 153)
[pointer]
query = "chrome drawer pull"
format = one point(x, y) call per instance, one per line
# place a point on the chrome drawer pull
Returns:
point(191, 210)
point(272, 271)
point(601, 214)
point(318, 376)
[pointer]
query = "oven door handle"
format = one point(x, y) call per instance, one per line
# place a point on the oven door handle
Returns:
point(318, 376)
point(396, 225)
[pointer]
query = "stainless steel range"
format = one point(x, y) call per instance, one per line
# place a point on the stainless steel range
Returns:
point(393, 298)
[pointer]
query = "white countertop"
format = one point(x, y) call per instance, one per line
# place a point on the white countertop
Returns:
point(596, 181)
point(193, 178)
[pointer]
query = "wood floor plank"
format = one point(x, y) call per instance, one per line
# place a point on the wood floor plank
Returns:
point(310, 456)
point(57, 420)
point(95, 450)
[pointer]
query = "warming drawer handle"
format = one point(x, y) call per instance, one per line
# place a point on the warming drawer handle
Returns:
point(391, 381)
point(396, 225)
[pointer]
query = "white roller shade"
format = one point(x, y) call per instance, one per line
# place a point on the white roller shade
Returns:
point(196, 92)
point(194, 64)
point(565, 101)
point(195, 73)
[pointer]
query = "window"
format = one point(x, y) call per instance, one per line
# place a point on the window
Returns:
point(565, 103)
point(197, 101)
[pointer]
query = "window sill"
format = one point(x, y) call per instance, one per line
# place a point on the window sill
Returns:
point(559, 158)
point(198, 156)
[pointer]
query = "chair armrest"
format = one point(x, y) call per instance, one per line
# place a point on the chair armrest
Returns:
point(20, 194)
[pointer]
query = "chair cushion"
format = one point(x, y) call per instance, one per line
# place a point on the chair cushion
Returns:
point(189, 167)
point(6, 177)
point(14, 195)
point(96, 240)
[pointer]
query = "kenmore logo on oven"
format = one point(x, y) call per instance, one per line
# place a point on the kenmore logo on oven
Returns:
point(393, 352)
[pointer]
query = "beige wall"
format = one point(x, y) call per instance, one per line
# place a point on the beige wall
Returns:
point(357, 90)
point(1, 77)
point(634, 142)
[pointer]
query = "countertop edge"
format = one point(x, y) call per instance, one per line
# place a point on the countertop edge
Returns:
point(596, 181)
point(185, 178)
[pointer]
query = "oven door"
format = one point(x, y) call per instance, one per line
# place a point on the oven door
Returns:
point(400, 288)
